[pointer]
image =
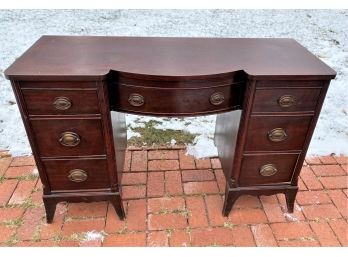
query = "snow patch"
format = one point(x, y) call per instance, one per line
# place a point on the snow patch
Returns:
point(172, 142)
point(203, 147)
point(93, 235)
point(35, 171)
point(290, 216)
point(323, 32)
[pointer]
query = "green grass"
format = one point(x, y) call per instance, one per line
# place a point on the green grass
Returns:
point(150, 136)
point(28, 177)
point(13, 223)
point(12, 240)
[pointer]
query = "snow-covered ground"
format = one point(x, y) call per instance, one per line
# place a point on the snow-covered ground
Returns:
point(323, 32)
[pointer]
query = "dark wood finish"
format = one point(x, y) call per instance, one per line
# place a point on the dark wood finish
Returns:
point(232, 195)
point(226, 130)
point(164, 101)
point(267, 100)
point(75, 85)
point(50, 201)
point(41, 102)
point(92, 58)
point(48, 133)
point(259, 126)
point(251, 165)
point(58, 172)
point(233, 190)
point(310, 132)
point(120, 138)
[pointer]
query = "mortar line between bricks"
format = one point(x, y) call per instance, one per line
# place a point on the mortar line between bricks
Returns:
point(188, 228)
point(7, 202)
point(147, 163)
point(310, 225)
point(336, 236)
point(206, 209)
point(274, 236)
point(106, 214)
point(146, 220)
point(250, 228)
point(16, 230)
point(181, 195)
point(130, 164)
point(63, 222)
point(146, 199)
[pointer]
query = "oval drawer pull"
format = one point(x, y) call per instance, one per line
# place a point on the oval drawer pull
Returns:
point(136, 100)
point(268, 170)
point(62, 103)
point(77, 175)
point(69, 139)
point(286, 101)
point(277, 135)
point(217, 98)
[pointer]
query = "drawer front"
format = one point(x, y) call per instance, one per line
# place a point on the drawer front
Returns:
point(267, 169)
point(68, 137)
point(150, 100)
point(77, 174)
point(274, 133)
point(61, 102)
point(286, 100)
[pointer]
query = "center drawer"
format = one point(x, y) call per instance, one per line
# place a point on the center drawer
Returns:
point(177, 101)
point(68, 137)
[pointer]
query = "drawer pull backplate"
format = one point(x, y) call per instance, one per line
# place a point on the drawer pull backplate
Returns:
point(217, 98)
point(62, 103)
point(69, 139)
point(286, 101)
point(136, 100)
point(268, 170)
point(77, 175)
point(277, 135)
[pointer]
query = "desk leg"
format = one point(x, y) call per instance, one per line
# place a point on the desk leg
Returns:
point(50, 207)
point(118, 206)
point(290, 196)
point(231, 197)
point(226, 136)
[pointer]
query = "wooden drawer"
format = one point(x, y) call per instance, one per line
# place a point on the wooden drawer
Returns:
point(267, 169)
point(68, 137)
point(287, 133)
point(177, 101)
point(285, 100)
point(51, 101)
point(77, 174)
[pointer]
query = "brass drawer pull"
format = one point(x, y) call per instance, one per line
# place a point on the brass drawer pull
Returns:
point(217, 98)
point(286, 101)
point(136, 100)
point(268, 170)
point(77, 175)
point(69, 139)
point(277, 135)
point(62, 103)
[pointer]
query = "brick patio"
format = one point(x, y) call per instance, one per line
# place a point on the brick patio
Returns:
point(172, 199)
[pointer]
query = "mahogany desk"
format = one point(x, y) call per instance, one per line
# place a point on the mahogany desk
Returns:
point(73, 92)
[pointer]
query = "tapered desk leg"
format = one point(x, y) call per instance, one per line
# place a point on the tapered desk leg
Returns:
point(231, 197)
point(290, 196)
point(50, 207)
point(118, 206)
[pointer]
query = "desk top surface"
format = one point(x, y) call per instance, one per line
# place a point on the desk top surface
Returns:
point(94, 56)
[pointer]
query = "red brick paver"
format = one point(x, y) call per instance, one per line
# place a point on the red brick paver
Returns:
point(172, 199)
